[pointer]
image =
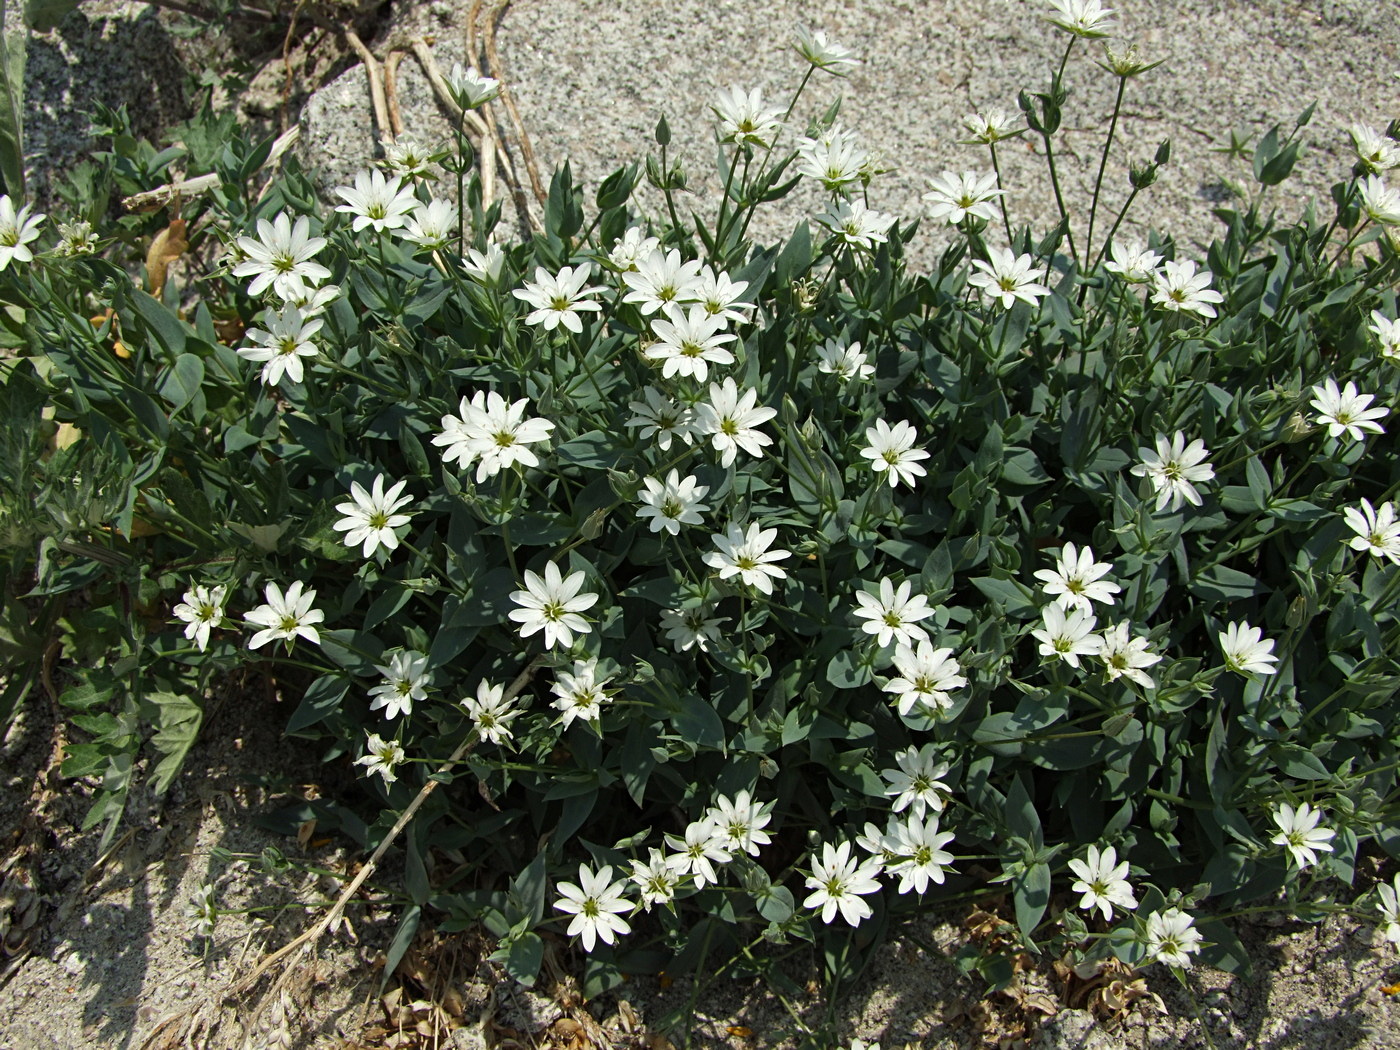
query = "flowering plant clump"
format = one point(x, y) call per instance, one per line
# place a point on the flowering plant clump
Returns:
point(814, 577)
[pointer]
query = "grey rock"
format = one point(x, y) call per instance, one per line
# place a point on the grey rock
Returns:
point(1075, 1030)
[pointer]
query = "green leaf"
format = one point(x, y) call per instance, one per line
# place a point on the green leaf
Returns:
point(13, 49)
point(1220, 583)
point(1031, 894)
point(321, 699)
point(403, 937)
point(698, 724)
point(1014, 598)
point(180, 383)
point(179, 719)
point(524, 958)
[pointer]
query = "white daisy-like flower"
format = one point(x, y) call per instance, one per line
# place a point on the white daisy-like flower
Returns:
point(656, 880)
point(405, 683)
point(580, 693)
point(741, 821)
point(408, 160)
point(1300, 835)
point(281, 346)
point(433, 226)
point(920, 857)
point(485, 267)
point(1377, 530)
point(916, 784)
point(1345, 411)
point(926, 677)
point(721, 297)
point(1171, 937)
point(662, 419)
point(1067, 635)
point(838, 881)
point(377, 202)
point(18, 229)
point(1084, 18)
point(371, 517)
point(1380, 202)
point(891, 451)
point(694, 628)
point(672, 503)
point(560, 298)
point(74, 238)
point(1125, 656)
point(824, 54)
point(1388, 332)
point(595, 904)
point(285, 616)
point(313, 301)
point(989, 127)
point(202, 912)
point(703, 846)
point(469, 88)
point(1174, 468)
point(381, 756)
point(746, 554)
point(493, 431)
point(688, 341)
point(631, 248)
point(1076, 581)
point(1179, 288)
point(552, 603)
point(491, 713)
point(1376, 152)
point(661, 278)
point(846, 363)
point(1103, 881)
point(1005, 278)
point(953, 196)
point(856, 225)
point(745, 119)
point(201, 610)
point(730, 420)
point(836, 161)
point(893, 616)
point(1246, 650)
point(281, 257)
point(1133, 262)
point(1388, 906)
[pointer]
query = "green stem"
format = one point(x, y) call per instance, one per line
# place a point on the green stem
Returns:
point(1103, 162)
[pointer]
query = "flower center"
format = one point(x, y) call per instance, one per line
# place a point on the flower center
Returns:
point(289, 623)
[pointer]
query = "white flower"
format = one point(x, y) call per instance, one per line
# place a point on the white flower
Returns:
point(372, 517)
point(282, 345)
point(281, 257)
point(729, 420)
point(470, 88)
point(405, 682)
point(991, 126)
point(485, 266)
point(558, 299)
point(381, 756)
point(1344, 411)
point(74, 238)
point(1389, 908)
point(1086, 18)
point(745, 554)
point(552, 603)
point(632, 247)
point(285, 616)
point(858, 226)
point(838, 882)
point(1377, 531)
point(17, 230)
point(688, 629)
point(672, 503)
point(1380, 202)
point(201, 911)
point(835, 161)
point(660, 279)
point(894, 615)
point(491, 713)
point(594, 904)
point(656, 880)
point(697, 854)
point(1388, 332)
point(1125, 656)
point(1174, 469)
point(1171, 938)
point(1180, 289)
point(844, 362)
point(741, 822)
point(921, 859)
point(926, 677)
point(407, 159)
point(744, 118)
point(1075, 582)
point(312, 301)
point(662, 418)
point(824, 54)
point(1373, 149)
point(493, 430)
point(952, 197)
point(689, 341)
point(377, 201)
point(1103, 881)
point(891, 451)
point(1006, 278)
point(1246, 650)
point(201, 610)
point(580, 693)
point(1300, 835)
point(434, 226)
point(720, 296)
point(1134, 263)
point(915, 785)
point(1068, 636)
